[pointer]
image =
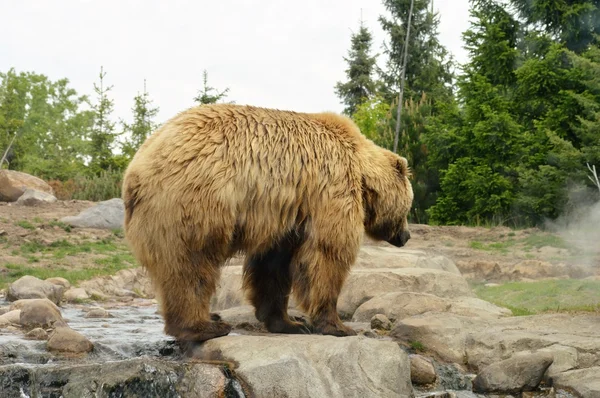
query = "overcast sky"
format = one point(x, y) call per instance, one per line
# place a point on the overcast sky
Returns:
point(272, 53)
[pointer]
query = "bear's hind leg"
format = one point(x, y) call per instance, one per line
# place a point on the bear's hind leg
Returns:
point(268, 281)
point(186, 295)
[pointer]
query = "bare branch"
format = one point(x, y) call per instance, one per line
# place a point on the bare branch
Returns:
point(594, 180)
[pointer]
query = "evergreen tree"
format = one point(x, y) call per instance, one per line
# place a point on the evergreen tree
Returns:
point(428, 69)
point(205, 96)
point(103, 134)
point(360, 85)
point(143, 124)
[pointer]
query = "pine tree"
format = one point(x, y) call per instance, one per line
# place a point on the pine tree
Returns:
point(360, 86)
point(143, 124)
point(103, 134)
point(429, 66)
point(205, 96)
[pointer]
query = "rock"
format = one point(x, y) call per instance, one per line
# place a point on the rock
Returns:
point(229, 293)
point(108, 214)
point(76, 294)
point(32, 197)
point(380, 322)
point(11, 317)
point(14, 183)
point(393, 257)
point(40, 313)
point(494, 272)
point(314, 366)
point(98, 313)
point(132, 282)
point(422, 371)
point(514, 375)
point(400, 305)
point(68, 341)
point(585, 382)
point(30, 287)
point(139, 377)
point(59, 281)
point(17, 305)
point(37, 334)
point(479, 342)
point(364, 284)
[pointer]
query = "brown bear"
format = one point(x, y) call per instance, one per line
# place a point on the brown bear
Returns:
point(293, 191)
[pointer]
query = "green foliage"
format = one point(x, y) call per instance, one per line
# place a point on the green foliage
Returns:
point(360, 86)
point(205, 96)
point(143, 124)
point(372, 118)
point(25, 224)
point(106, 185)
point(102, 135)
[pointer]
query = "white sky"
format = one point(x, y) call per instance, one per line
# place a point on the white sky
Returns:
point(272, 53)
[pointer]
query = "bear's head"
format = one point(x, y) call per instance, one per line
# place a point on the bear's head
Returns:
point(387, 197)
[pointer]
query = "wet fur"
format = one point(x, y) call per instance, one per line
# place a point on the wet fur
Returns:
point(295, 192)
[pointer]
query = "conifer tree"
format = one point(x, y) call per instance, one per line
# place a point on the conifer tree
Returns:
point(102, 136)
point(143, 124)
point(360, 85)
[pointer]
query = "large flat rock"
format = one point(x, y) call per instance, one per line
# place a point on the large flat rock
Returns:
point(315, 366)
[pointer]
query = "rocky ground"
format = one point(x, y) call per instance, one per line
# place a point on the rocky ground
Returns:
point(423, 331)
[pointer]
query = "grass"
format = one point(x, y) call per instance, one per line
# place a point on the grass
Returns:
point(417, 346)
point(527, 298)
point(60, 224)
point(109, 257)
point(25, 224)
point(534, 241)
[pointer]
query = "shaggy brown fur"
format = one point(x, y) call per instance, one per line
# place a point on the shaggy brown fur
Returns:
point(294, 191)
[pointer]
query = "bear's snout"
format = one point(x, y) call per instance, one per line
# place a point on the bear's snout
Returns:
point(400, 239)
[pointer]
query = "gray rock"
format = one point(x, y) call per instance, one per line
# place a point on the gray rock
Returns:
point(33, 197)
point(315, 366)
point(108, 214)
point(514, 375)
point(76, 294)
point(422, 371)
point(585, 382)
point(140, 377)
point(40, 314)
point(30, 287)
point(37, 334)
point(10, 317)
point(68, 341)
point(380, 322)
point(98, 313)
point(56, 280)
point(365, 283)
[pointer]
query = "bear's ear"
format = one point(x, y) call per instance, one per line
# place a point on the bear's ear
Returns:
point(402, 167)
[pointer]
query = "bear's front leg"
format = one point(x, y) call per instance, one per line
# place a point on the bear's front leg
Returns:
point(319, 275)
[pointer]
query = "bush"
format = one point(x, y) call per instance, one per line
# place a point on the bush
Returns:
point(105, 186)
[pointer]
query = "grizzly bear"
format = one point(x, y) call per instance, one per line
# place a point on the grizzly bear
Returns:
point(294, 192)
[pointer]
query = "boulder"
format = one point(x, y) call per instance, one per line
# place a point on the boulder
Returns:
point(131, 282)
point(422, 371)
point(394, 257)
point(14, 183)
point(30, 287)
point(56, 280)
point(10, 318)
point(76, 294)
point(68, 341)
point(365, 283)
point(585, 382)
point(139, 377)
point(519, 373)
point(19, 304)
point(314, 366)
point(108, 214)
point(33, 197)
point(40, 314)
point(37, 334)
point(98, 313)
